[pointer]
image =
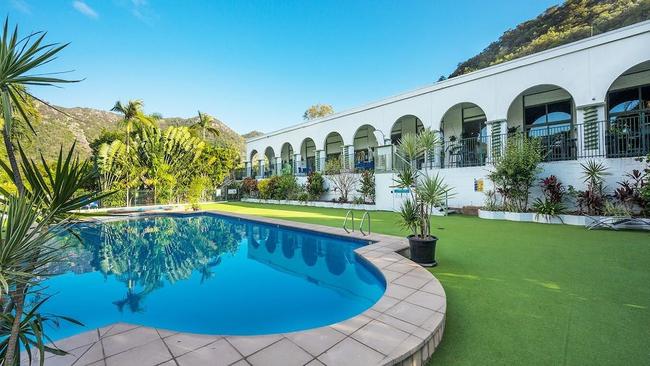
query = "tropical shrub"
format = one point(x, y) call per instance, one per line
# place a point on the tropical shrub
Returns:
point(303, 196)
point(515, 172)
point(491, 201)
point(249, 187)
point(554, 192)
point(266, 187)
point(616, 209)
point(645, 189)
point(367, 189)
point(359, 200)
point(285, 187)
point(196, 190)
point(315, 185)
point(629, 192)
point(165, 162)
point(549, 208)
point(592, 200)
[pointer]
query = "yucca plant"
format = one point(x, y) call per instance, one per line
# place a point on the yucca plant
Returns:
point(33, 217)
point(20, 57)
point(27, 250)
point(426, 191)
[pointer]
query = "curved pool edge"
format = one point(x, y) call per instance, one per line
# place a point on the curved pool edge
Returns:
point(404, 326)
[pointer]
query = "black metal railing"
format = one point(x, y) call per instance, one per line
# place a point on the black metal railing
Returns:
point(620, 137)
point(628, 136)
point(461, 153)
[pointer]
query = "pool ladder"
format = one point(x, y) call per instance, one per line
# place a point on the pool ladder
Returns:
point(350, 215)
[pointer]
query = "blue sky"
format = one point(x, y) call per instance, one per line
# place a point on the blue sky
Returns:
point(259, 64)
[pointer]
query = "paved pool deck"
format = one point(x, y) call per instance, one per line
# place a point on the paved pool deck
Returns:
point(403, 328)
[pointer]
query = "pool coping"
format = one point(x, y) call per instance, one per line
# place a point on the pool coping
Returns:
point(404, 327)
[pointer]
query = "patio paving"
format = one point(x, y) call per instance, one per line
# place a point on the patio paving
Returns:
point(403, 328)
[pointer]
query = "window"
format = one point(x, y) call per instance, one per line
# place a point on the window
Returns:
point(624, 101)
point(548, 119)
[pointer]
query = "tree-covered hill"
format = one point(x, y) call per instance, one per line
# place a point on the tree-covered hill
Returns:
point(558, 25)
point(252, 134)
point(55, 129)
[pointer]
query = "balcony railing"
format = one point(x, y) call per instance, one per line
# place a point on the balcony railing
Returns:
point(462, 153)
point(621, 137)
point(628, 136)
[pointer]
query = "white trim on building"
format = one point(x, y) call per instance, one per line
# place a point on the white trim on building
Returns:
point(564, 95)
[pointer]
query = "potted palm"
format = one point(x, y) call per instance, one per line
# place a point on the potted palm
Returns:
point(426, 193)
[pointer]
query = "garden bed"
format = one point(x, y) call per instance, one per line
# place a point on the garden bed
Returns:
point(327, 204)
point(577, 220)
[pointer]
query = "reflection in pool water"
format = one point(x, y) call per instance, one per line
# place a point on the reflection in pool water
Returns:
point(210, 274)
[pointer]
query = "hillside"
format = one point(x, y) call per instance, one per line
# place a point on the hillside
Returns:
point(85, 124)
point(558, 25)
point(252, 134)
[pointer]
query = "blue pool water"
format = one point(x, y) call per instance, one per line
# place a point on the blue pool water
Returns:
point(209, 274)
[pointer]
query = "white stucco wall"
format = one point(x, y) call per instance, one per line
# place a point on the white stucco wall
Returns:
point(585, 69)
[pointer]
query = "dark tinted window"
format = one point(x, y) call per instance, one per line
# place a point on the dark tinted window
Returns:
point(622, 101)
point(535, 115)
point(559, 112)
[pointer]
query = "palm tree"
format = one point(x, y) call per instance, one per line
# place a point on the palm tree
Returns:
point(132, 116)
point(19, 57)
point(204, 124)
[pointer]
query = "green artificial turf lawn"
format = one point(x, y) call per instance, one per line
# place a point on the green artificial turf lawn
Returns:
point(524, 293)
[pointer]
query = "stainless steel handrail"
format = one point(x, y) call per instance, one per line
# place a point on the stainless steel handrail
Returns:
point(365, 215)
point(345, 222)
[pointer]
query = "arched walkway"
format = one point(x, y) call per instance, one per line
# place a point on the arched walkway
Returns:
point(464, 135)
point(333, 146)
point(365, 143)
point(269, 161)
point(545, 112)
point(307, 156)
point(627, 113)
point(286, 153)
point(403, 125)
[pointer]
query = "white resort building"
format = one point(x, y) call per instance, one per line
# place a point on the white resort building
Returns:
point(586, 100)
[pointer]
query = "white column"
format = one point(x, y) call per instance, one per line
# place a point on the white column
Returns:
point(497, 138)
point(434, 158)
point(489, 125)
point(590, 130)
point(278, 166)
point(297, 164)
point(347, 159)
point(249, 167)
point(319, 161)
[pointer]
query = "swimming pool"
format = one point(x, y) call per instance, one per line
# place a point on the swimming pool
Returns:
point(210, 274)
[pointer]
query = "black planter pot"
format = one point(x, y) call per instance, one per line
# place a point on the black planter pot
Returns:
point(423, 250)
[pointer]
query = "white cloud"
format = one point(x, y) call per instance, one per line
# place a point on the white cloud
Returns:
point(84, 9)
point(21, 6)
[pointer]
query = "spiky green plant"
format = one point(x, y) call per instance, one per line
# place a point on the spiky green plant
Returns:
point(19, 58)
point(425, 191)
